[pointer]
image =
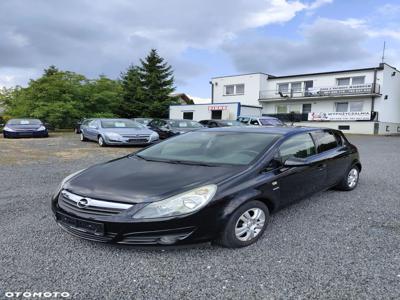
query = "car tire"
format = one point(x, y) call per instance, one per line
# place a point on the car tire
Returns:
point(245, 226)
point(350, 180)
point(83, 139)
point(101, 141)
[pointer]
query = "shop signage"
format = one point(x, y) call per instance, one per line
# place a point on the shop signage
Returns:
point(339, 116)
point(218, 107)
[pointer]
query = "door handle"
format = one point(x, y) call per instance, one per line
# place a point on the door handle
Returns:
point(321, 167)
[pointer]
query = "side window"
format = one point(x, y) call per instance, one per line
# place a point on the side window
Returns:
point(93, 124)
point(254, 122)
point(326, 140)
point(298, 146)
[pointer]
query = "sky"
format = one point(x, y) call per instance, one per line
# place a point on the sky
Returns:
point(199, 39)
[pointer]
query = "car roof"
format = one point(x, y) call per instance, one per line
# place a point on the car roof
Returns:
point(258, 117)
point(273, 130)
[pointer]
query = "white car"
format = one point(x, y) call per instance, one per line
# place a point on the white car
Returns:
point(260, 121)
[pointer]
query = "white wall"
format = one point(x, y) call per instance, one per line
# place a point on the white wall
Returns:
point(355, 127)
point(202, 112)
point(388, 110)
point(252, 85)
point(250, 111)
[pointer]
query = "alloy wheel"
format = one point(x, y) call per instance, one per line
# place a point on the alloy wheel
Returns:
point(352, 178)
point(250, 224)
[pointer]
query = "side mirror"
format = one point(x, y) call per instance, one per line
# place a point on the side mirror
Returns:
point(295, 162)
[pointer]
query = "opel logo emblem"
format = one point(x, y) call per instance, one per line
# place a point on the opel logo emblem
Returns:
point(82, 203)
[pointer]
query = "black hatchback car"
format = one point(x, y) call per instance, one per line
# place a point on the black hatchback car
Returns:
point(217, 184)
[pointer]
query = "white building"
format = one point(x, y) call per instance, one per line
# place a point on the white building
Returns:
point(356, 101)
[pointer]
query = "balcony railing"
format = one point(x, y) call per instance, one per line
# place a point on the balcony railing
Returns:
point(325, 91)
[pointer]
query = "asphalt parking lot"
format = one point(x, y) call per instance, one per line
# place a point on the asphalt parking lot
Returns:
point(334, 245)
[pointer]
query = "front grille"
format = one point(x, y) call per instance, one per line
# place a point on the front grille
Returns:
point(89, 236)
point(75, 203)
point(137, 141)
point(136, 136)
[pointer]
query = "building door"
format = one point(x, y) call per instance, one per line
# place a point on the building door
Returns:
point(188, 115)
point(216, 114)
point(306, 108)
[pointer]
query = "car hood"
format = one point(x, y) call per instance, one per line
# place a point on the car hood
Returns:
point(134, 180)
point(128, 130)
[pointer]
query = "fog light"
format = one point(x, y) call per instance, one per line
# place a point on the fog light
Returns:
point(168, 240)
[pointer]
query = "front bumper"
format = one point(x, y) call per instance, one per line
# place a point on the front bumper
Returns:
point(123, 229)
point(126, 141)
point(27, 133)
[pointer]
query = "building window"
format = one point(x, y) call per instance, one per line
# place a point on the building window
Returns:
point(239, 89)
point(356, 106)
point(283, 87)
point(188, 115)
point(342, 106)
point(344, 127)
point(216, 114)
point(281, 109)
point(296, 86)
point(306, 108)
point(343, 81)
point(358, 80)
point(229, 89)
point(234, 89)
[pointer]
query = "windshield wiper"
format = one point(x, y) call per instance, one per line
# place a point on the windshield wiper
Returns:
point(193, 163)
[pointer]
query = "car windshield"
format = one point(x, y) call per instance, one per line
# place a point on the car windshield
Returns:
point(120, 124)
point(184, 124)
point(271, 122)
point(24, 122)
point(143, 121)
point(231, 123)
point(233, 148)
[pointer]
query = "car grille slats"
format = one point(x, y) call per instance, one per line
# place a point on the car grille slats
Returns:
point(75, 203)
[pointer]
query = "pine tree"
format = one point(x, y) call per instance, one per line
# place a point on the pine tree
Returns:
point(157, 80)
point(133, 104)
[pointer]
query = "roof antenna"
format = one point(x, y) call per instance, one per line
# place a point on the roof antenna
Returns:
point(383, 52)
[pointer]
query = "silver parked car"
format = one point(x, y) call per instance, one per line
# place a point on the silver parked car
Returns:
point(117, 132)
point(260, 121)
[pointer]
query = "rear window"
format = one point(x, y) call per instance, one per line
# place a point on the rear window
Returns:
point(326, 140)
point(271, 122)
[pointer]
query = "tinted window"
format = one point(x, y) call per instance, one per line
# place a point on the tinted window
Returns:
point(326, 141)
point(236, 148)
point(184, 124)
point(299, 146)
point(271, 122)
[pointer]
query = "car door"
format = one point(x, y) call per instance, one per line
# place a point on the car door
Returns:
point(297, 182)
point(92, 130)
point(334, 153)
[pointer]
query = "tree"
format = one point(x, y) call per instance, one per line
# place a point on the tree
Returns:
point(62, 97)
point(147, 88)
point(133, 103)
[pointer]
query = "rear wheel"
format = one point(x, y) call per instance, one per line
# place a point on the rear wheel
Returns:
point(350, 180)
point(245, 226)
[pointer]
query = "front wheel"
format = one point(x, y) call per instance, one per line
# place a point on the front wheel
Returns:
point(101, 141)
point(245, 226)
point(83, 138)
point(350, 180)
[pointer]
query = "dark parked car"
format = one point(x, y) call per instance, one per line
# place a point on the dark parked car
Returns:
point(168, 128)
point(78, 125)
point(15, 128)
point(221, 123)
point(107, 132)
point(217, 184)
point(143, 121)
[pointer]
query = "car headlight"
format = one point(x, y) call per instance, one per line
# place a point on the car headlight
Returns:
point(154, 136)
point(41, 128)
point(114, 136)
point(181, 204)
point(6, 128)
point(65, 180)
